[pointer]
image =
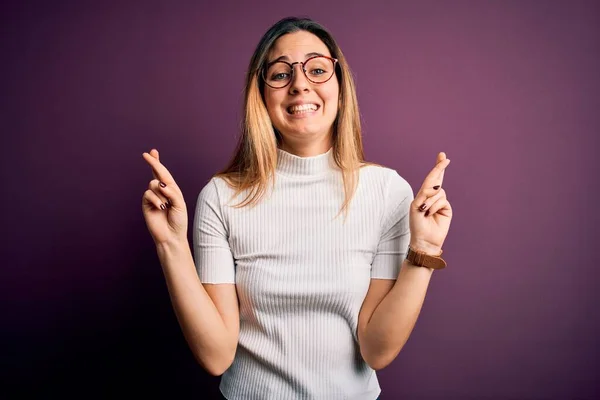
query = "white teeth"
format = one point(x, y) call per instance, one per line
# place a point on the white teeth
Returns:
point(302, 108)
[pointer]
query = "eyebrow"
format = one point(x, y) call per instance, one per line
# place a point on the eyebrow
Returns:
point(286, 58)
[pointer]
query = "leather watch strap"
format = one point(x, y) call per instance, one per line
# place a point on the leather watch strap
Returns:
point(425, 260)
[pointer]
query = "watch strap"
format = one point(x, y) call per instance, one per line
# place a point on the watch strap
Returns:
point(422, 259)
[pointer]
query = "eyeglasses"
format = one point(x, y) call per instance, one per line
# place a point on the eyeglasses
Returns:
point(317, 69)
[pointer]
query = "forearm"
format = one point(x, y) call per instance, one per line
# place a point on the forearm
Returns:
point(394, 318)
point(203, 328)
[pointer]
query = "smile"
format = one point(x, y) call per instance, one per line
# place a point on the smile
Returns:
point(302, 109)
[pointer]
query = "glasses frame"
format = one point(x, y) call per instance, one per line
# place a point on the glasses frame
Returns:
point(302, 64)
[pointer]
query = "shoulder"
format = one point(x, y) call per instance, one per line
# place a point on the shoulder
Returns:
point(220, 192)
point(212, 192)
point(215, 187)
point(388, 179)
point(208, 191)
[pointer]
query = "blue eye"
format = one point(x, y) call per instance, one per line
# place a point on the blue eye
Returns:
point(280, 77)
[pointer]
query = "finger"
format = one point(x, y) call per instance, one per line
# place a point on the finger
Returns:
point(436, 175)
point(172, 194)
point(154, 185)
point(424, 194)
point(154, 153)
point(426, 197)
point(151, 198)
point(441, 207)
point(440, 157)
point(422, 202)
point(159, 170)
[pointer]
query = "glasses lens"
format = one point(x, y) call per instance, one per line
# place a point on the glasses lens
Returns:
point(319, 69)
point(278, 74)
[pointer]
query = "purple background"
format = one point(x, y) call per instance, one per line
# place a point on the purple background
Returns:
point(508, 89)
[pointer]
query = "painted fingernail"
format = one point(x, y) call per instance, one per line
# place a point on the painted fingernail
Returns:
point(423, 206)
point(162, 206)
point(436, 187)
point(162, 184)
point(427, 213)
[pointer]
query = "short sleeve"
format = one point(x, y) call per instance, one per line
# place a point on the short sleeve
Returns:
point(395, 232)
point(212, 255)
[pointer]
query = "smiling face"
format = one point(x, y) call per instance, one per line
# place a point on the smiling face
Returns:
point(303, 112)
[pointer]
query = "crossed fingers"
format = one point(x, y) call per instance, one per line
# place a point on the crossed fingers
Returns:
point(159, 171)
point(162, 178)
point(431, 198)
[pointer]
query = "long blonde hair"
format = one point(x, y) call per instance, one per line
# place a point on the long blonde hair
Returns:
point(255, 158)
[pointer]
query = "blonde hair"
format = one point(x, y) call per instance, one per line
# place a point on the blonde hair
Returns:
point(253, 165)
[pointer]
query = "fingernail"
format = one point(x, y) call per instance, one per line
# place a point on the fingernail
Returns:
point(162, 206)
point(162, 184)
point(436, 187)
point(422, 207)
point(427, 213)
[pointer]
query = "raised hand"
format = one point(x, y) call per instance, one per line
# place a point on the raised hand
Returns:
point(430, 211)
point(164, 207)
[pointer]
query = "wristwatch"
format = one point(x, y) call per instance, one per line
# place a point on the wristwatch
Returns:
point(425, 260)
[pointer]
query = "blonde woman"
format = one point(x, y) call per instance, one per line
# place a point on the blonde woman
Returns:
point(301, 282)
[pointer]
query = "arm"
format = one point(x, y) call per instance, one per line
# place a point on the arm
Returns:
point(208, 316)
point(389, 313)
point(390, 310)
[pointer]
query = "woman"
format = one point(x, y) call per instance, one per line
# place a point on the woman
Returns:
point(301, 288)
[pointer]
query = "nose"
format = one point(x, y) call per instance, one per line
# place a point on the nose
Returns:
point(299, 82)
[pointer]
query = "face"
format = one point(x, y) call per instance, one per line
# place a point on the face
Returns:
point(295, 123)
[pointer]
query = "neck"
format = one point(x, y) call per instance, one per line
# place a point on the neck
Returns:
point(309, 149)
point(296, 166)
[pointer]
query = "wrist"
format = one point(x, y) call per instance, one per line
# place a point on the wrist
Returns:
point(425, 255)
point(425, 248)
point(173, 246)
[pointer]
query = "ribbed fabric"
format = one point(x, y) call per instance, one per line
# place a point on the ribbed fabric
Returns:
point(301, 275)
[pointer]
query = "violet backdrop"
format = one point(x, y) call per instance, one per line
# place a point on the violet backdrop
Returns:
point(508, 89)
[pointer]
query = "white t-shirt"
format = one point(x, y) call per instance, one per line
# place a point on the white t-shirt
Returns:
point(301, 275)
